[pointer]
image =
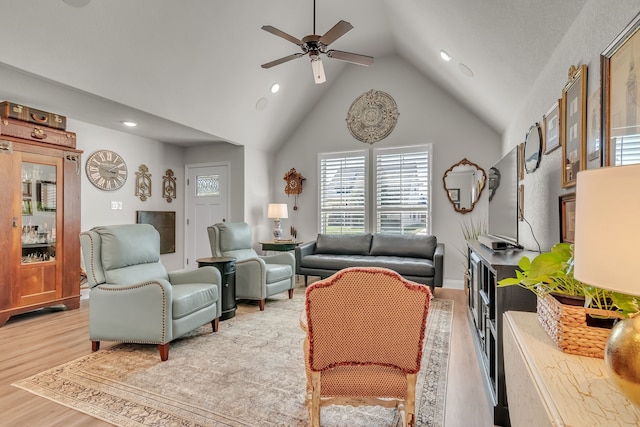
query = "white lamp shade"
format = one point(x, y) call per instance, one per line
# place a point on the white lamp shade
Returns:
point(277, 210)
point(607, 229)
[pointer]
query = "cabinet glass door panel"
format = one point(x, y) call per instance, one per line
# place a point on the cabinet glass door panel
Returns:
point(39, 212)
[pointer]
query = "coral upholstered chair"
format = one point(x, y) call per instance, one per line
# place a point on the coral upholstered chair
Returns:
point(365, 331)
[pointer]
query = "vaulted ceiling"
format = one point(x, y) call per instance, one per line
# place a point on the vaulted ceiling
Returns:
point(189, 71)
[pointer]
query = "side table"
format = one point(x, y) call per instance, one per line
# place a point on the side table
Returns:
point(227, 268)
point(279, 246)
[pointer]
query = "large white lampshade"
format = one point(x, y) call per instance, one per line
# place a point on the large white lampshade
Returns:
point(605, 254)
point(277, 211)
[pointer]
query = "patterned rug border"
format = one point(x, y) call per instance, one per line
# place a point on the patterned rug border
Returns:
point(126, 405)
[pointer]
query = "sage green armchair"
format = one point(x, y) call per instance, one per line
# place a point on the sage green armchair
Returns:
point(133, 299)
point(257, 277)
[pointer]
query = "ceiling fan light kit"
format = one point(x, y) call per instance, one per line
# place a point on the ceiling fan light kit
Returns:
point(314, 45)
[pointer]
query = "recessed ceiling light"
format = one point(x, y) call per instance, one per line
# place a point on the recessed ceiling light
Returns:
point(465, 70)
point(275, 88)
point(261, 104)
point(129, 124)
point(445, 56)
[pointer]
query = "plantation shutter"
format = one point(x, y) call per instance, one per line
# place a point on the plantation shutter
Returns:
point(343, 192)
point(627, 150)
point(403, 190)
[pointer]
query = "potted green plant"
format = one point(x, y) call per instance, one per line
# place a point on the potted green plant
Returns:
point(552, 273)
point(576, 316)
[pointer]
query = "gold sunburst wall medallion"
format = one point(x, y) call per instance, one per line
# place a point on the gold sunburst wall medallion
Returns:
point(372, 116)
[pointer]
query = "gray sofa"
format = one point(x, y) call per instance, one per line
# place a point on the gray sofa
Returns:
point(416, 258)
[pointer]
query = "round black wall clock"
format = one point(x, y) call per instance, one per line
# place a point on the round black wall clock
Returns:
point(106, 170)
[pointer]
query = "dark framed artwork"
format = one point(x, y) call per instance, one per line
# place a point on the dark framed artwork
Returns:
point(454, 195)
point(621, 96)
point(550, 129)
point(573, 125)
point(165, 223)
point(567, 204)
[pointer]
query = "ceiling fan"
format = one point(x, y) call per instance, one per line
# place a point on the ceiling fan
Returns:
point(314, 45)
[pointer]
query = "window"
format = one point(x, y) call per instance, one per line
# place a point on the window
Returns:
point(398, 202)
point(343, 192)
point(402, 190)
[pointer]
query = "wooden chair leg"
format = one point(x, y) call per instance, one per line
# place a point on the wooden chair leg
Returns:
point(290, 293)
point(410, 400)
point(305, 280)
point(261, 304)
point(95, 345)
point(315, 399)
point(164, 351)
point(214, 324)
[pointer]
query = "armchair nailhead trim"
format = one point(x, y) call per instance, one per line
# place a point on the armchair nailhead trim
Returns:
point(163, 313)
point(91, 255)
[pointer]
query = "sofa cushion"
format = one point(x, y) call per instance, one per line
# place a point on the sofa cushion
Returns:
point(403, 245)
point(405, 266)
point(357, 244)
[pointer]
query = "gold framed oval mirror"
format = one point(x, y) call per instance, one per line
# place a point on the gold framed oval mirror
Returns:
point(463, 183)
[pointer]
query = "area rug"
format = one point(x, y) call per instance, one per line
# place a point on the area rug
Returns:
point(249, 373)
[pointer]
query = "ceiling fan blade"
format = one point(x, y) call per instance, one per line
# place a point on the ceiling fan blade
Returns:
point(350, 57)
point(281, 60)
point(279, 33)
point(337, 31)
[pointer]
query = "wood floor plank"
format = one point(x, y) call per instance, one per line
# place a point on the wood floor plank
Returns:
point(33, 342)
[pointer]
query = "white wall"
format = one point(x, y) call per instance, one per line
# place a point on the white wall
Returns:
point(594, 29)
point(96, 203)
point(427, 115)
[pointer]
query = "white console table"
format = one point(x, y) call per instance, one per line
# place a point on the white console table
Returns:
point(546, 387)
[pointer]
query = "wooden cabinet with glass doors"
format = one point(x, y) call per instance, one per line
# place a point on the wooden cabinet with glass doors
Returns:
point(39, 225)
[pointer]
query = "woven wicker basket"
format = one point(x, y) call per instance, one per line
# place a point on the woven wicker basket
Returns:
point(567, 327)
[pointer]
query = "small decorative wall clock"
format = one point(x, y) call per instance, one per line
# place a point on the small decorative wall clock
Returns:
point(106, 170)
point(294, 185)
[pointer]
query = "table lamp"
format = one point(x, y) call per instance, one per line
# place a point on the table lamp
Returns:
point(607, 232)
point(277, 211)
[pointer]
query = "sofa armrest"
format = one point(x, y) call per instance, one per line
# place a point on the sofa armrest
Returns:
point(303, 250)
point(438, 264)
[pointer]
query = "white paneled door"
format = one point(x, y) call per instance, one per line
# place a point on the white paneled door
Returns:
point(207, 200)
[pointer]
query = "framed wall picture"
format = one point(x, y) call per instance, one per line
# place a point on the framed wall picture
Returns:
point(594, 133)
point(165, 223)
point(568, 218)
point(454, 195)
point(573, 125)
point(550, 129)
point(620, 75)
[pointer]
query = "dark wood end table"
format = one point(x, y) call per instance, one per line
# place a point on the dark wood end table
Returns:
point(227, 268)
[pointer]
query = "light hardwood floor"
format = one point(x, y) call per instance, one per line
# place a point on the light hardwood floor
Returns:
point(33, 342)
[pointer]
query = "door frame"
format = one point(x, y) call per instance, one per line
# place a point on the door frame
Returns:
point(187, 167)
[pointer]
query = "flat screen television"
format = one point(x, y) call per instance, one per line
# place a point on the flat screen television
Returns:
point(503, 199)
